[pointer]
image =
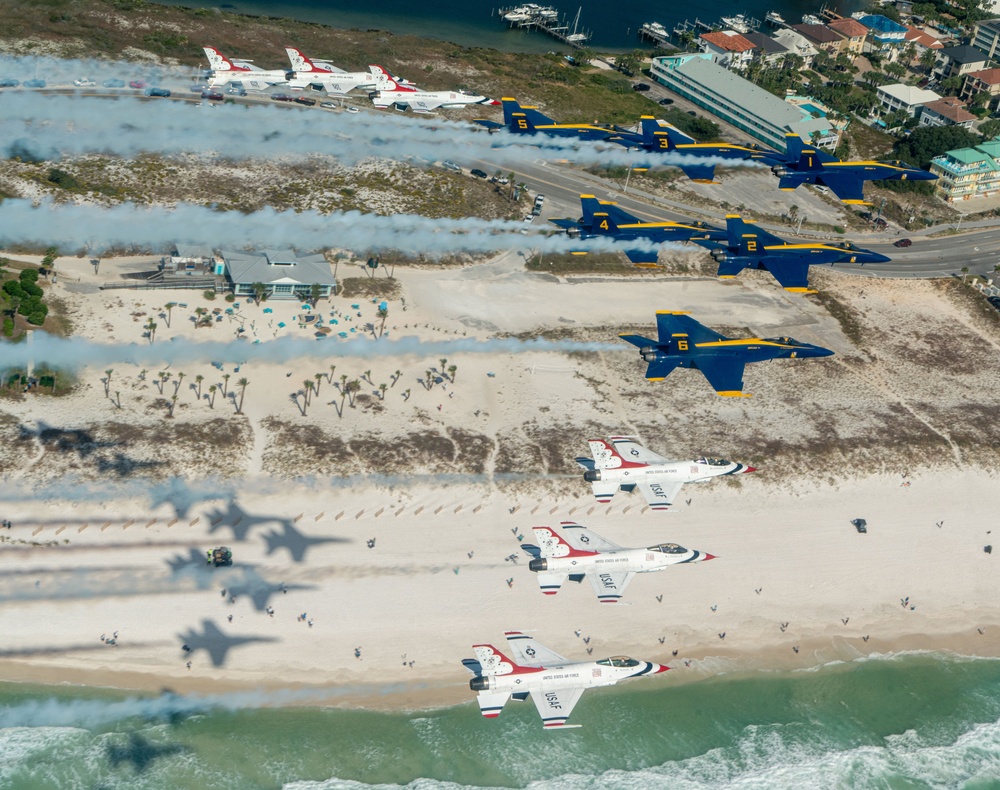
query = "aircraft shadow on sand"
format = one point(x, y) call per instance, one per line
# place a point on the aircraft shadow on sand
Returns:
point(239, 522)
point(236, 581)
point(295, 542)
point(182, 495)
point(83, 444)
point(215, 643)
point(140, 752)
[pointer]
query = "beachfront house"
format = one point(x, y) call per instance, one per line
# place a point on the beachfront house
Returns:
point(966, 173)
point(284, 273)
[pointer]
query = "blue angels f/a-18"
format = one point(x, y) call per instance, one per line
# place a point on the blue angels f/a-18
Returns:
point(528, 120)
point(806, 164)
point(604, 218)
point(750, 247)
point(684, 343)
point(661, 137)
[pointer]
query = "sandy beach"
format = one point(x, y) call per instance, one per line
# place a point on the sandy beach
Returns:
point(394, 526)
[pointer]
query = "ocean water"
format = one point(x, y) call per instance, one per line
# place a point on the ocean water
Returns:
point(475, 22)
point(906, 722)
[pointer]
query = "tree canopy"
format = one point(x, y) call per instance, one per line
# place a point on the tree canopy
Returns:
point(926, 142)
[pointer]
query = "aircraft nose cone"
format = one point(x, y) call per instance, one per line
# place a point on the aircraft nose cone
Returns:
point(749, 469)
point(660, 668)
point(709, 557)
point(822, 352)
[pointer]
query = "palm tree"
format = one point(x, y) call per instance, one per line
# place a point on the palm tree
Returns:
point(381, 389)
point(406, 395)
point(168, 307)
point(151, 329)
point(117, 400)
point(242, 384)
point(211, 396)
point(164, 376)
point(428, 378)
point(343, 383)
point(177, 384)
point(198, 379)
point(225, 383)
point(396, 377)
point(329, 376)
point(200, 313)
point(107, 381)
point(307, 388)
point(368, 376)
point(259, 289)
point(173, 405)
point(315, 290)
point(452, 369)
point(383, 313)
point(142, 374)
point(294, 397)
point(319, 379)
point(352, 389)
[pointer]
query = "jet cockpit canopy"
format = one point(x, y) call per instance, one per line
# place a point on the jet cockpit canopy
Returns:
point(713, 461)
point(668, 548)
point(618, 661)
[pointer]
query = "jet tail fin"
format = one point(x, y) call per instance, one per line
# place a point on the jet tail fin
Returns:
point(492, 661)
point(804, 157)
point(638, 340)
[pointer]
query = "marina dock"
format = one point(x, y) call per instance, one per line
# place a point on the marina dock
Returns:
point(547, 20)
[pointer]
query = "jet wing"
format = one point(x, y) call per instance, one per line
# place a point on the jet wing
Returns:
point(791, 274)
point(490, 705)
point(529, 653)
point(583, 539)
point(659, 370)
point(604, 490)
point(609, 586)
point(849, 187)
point(660, 496)
point(555, 706)
point(725, 375)
point(491, 125)
point(642, 256)
point(792, 181)
point(628, 447)
point(550, 583)
point(703, 174)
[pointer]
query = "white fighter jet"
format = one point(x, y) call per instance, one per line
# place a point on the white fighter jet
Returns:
point(575, 552)
point(621, 462)
point(323, 72)
point(390, 91)
point(555, 684)
point(251, 77)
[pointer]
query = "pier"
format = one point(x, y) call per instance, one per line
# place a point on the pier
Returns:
point(546, 19)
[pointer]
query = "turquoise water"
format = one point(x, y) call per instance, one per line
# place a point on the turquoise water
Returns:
point(814, 110)
point(918, 721)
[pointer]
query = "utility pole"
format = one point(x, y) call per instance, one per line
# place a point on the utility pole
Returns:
point(627, 177)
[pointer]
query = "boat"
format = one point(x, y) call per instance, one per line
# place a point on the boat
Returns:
point(811, 19)
point(737, 23)
point(776, 19)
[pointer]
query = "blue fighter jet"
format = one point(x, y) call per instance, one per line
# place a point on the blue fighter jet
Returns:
point(528, 120)
point(684, 343)
point(661, 137)
point(750, 247)
point(604, 218)
point(805, 164)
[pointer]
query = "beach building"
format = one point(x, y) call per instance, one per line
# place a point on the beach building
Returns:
point(986, 37)
point(189, 257)
point(983, 81)
point(822, 38)
point(854, 34)
point(767, 49)
point(949, 111)
point(796, 44)
point(922, 41)
point(730, 48)
point(284, 273)
point(904, 97)
point(967, 173)
point(885, 37)
point(759, 113)
point(959, 61)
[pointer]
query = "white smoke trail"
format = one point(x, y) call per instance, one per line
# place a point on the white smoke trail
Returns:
point(72, 353)
point(70, 226)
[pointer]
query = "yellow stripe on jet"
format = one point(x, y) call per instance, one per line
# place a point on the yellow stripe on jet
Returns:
point(733, 394)
point(746, 341)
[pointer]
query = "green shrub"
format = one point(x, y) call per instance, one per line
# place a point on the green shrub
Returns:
point(28, 306)
point(29, 275)
point(210, 295)
point(13, 288)
point(8, 327)
point(32, 290)
point(230, 298)
point(38, 317)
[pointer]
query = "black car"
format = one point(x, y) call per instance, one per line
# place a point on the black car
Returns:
point(304, 100)
point(692, 113)
point(280, 97)
point(902, 243)
point(641, 87)
point(34, 83)
point(212, 96)
point(9, 83)
point(666, 102)
point(479, 173)
point(163, 93)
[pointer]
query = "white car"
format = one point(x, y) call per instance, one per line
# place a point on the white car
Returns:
point(351, 109)
point(447, 165)
point(83, 82)
point(328, 105)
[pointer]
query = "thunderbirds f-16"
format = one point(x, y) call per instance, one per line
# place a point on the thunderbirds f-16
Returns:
point(621, 462)
point(604, 218)
point(684, 343)
point(750, 247)
point(555, 684)
point(323, 72)
point(389, 91)
point(528, 120)
point(575, 552)
point(661, 137)
point(251, 77)
point(806, 164)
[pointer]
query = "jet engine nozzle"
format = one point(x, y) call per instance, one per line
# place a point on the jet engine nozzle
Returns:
point(480, 683)
point(592, 475)
point(289, 75)
point(780, 170)
point(719, 255)
point(573, 233)
point(539, 564)
point(648, 354)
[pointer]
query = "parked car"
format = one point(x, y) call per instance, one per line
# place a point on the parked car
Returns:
point(447, 165)
point(351, 109)
point(113, 83)
point(304, 100)
point(280, 97)
point(479, 173)
point(902, 243)
point(692, 113)
point(163, 93)
point(529, 219)
point(502, 180)
point(9, 82)
point(234, 91)
point(198, 88)
point(666, 102)
point(84, 82)
point(34, 83)
point(328, 105)
point(137, 84)
point(212, 96)
point(640, 87)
